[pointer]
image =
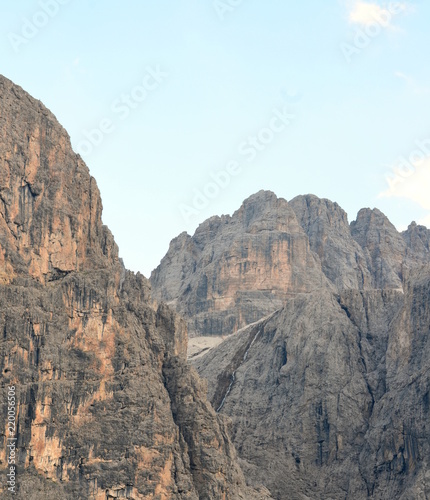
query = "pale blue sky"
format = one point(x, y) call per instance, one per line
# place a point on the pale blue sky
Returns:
point(357, 103)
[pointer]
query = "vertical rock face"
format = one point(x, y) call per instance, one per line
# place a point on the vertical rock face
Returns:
point(329, 396)
point(384, 247)
point(417, 239)
point(50, 207)
point(237, 269)
point(329, 392)
point(106, 406)
point(399, 435)
point(326, 225)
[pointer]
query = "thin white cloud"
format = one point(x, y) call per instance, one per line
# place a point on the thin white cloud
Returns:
point(416, 87)
point(414, 187)
point(365, 13)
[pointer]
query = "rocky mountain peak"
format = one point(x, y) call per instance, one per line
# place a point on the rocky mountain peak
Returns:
point(50, 206)
point(417, 239)
point(383, 245)
point(236, 269)
point(326, 225)
point(319, 210)
point(371, 220)
point(260, 201)
point(264, 211)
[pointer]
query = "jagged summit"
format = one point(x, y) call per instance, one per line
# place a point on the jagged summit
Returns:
point(237, 269)
point(328, 394)
point(262, 197)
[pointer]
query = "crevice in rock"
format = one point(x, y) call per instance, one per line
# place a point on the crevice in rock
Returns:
point(57, 274)
point(227, 378)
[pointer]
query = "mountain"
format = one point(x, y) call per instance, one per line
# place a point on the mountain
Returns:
point(329, 396)
point(102, 402)
point(238, 269)
point(328, 386)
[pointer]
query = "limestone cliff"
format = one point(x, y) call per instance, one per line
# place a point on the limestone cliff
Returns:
point(326, 225)
point(106, 406)
point(330, 395)
point(328, 388)
point(237, 269)
point(50, 206)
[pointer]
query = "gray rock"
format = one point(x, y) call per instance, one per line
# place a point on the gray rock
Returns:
point(236, 270)
point(384, 247)
point(329, 395)
point(304, 388)
point(326, 225)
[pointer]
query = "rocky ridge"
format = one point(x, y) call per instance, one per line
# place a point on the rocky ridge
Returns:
point(238, 269)
point(328, 392)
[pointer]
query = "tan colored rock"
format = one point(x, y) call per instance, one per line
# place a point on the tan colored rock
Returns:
point(237, 269)
point(50, 207)
point(106, 405)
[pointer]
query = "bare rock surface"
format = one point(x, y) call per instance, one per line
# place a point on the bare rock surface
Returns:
point(329, 396)
point(326, 225)
point(106, 405)
point(236, 270)
point(328, 387)
point(384, 247)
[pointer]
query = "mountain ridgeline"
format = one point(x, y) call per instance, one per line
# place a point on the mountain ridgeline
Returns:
point(319, 388)
point(237, 269)
point(327, 374)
